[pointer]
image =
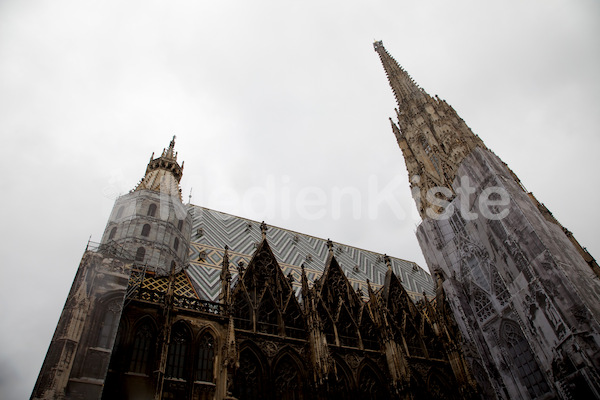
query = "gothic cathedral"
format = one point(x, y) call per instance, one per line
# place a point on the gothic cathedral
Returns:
point(178, 301)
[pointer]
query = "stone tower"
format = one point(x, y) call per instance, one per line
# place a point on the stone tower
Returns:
point(151, 222)
point(525, 294)
point(147, 234)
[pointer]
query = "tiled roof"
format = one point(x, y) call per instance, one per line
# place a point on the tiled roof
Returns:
point(212, 230)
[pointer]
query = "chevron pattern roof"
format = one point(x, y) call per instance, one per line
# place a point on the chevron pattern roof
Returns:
point(212, 230)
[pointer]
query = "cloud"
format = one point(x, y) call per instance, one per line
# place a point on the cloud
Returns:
point(291, 90)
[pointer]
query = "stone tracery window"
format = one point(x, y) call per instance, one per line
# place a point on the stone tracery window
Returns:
point(178, 349)
point(346, 329)
point(483, 306)
point(206, 358)
point(370, 385)
point(368, 331)
point(242, 312)
point(294, 322)
point(425, 144)
point(414, 342)
point(500, 290)
point(267, 315)
point(109, 324)
point(339, 385)
point(522, 360)
point(458, 223)
point(142, 349)
point(249, 379)
point(438, 388)
point(287, 380)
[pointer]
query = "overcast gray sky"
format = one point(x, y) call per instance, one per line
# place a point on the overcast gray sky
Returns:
point(269, 98)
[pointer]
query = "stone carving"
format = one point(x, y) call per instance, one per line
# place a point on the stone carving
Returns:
point(353, 360)
point(270, 349)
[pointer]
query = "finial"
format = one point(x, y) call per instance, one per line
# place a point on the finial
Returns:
point(304, 282)
point(330, 245)
point(388, 261)
point(225, 270)
point(263, 229)
point(169, 153)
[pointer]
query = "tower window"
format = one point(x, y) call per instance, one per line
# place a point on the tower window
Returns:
point(112, 233)
point(120, 212)
point(146, 230)
point(522, 357)
point(180, 224)
point(176, 244)
point(152, 210)
point(140, 254)
point(425, 145)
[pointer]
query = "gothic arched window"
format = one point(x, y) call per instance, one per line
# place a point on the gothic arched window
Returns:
point(176, 359)
point(249, 377)
point(483, 305)
point(140, 254)
point(437, 386)
point(500, 290)
point(206, 358)
point(142, 349)
point(112, 233)
point(425, 144)
point(294, 321)
point(346, 328)
point(522, 360)
point(176, 244)
point(152, 210)
point(109, 324)
point(414, 341)
point(242, 312)
point(287, 380)
point(339, 384)
point(146, 230)
point(370, 385)
point(267, 315)
point(180, 224)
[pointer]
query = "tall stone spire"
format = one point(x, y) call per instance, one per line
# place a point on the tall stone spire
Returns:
point(404, 87)
point(433, 138)
point(163, 174)
point(508, 271)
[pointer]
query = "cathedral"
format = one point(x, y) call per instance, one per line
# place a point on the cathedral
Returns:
point(178, 301)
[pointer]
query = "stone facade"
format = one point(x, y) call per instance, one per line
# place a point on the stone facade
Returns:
point(525, 294)
point(133, 328)
point(78, 357)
